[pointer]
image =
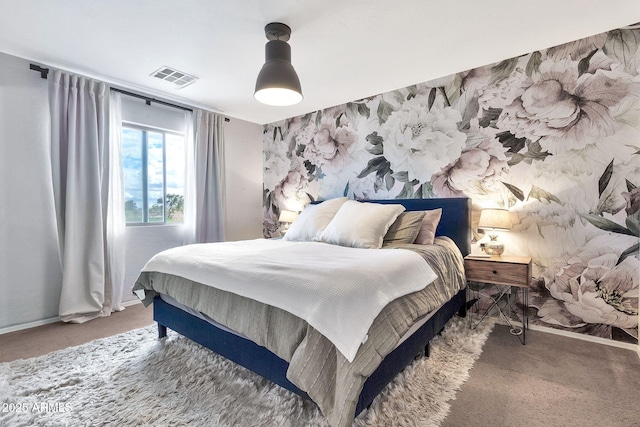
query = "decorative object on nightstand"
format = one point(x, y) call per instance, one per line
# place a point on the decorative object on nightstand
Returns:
point(494, 220)
point(502, 273)
point(287, 217)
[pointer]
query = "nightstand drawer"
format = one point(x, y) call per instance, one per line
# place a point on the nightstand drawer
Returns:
point(502, 273)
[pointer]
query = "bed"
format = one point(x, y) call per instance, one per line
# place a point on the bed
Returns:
point(295, 369)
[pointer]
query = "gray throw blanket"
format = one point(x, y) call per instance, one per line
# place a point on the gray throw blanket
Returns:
point(315, 365)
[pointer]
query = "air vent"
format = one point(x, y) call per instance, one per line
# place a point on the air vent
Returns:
point(178, 78)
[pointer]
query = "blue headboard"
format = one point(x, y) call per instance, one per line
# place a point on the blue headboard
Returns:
point(456, 217)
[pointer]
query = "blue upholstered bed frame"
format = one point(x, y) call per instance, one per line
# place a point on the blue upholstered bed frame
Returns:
point(455, 223)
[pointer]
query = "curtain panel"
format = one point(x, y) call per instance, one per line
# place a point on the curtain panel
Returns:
point(87, 186)
point(208, 177)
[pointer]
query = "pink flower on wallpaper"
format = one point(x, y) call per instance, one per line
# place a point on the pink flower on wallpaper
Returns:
point(328, 144)
point(477, 171)
point(590, 288)
point(294, 190)
point(422, 142)
point(564, 110)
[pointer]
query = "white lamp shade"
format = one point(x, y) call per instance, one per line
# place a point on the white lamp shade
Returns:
point(495, 219)
point(287, 216)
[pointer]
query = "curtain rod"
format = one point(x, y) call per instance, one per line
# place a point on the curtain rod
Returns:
point(44, 72)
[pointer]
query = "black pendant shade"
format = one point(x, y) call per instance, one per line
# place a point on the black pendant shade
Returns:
point(277, 83)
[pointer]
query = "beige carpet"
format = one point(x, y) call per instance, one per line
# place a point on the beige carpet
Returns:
point(552, 381)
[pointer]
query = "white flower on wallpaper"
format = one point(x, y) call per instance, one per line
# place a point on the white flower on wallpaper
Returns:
point(422, 142)
point(553, 135)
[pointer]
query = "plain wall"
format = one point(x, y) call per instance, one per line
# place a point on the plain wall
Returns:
point(30, 276)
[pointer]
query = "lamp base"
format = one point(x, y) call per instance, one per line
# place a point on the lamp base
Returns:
point(494, 248)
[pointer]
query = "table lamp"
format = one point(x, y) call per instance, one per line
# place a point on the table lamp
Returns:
point(287, 217)
point(493, 220)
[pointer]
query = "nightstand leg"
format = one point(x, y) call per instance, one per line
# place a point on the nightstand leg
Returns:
point(525, 314)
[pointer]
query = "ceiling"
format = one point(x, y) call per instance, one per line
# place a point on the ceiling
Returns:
point(343, 50)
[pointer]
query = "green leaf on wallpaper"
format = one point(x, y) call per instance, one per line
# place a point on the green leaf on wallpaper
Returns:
point(338, 120)
point(633, 223)
point(514, 158)
point(417, 194)
point(540, 194)
point(502, 70)
point(534, 152)
point(443, 91)
point(471, 108)
point(402, 176)
point(383, 169)
point(632, 251)
point(432, 98)
point(374, 139)
point(373, 166)
point(319, 118)
point(345, 193)
point(533, 65)
point(407, 191)
point(300, 150)
point(583, 65)
point(452, 90)
point(630, 185)
point(427, 191)
point(399, 96)
point(413, 91)
point(509, 140)
point(292, 146)
point(364, 110)
point(389, 181)
point(384, 110)
point(351, 111)
point(304, 121)
point(605, 178)
point(622, 45)
point(490, 117)
point(514, 190)
point(606, 225)
point(376, 150)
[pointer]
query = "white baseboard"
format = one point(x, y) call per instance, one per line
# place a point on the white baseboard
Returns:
point(42, 322)
point(131, 302)
point(585, 337)
point(22, 326)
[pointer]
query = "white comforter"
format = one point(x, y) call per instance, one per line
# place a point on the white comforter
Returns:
point(339, 291)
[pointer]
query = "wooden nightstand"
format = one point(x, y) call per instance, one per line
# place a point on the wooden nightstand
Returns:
point(503, 272)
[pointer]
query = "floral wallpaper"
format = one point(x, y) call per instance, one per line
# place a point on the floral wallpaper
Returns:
point(553, 136)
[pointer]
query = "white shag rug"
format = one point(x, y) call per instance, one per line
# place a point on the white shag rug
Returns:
point(136, 379)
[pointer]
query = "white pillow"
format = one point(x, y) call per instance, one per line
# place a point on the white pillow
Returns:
point(312, 220)
point(360, 225)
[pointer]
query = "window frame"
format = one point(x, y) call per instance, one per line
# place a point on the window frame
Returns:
point(145, 172)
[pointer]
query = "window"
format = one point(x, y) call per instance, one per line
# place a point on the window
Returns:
point(153, 162)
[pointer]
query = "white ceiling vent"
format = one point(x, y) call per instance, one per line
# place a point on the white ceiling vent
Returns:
point(178, 78)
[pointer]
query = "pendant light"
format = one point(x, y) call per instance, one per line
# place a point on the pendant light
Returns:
point(278, 83)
